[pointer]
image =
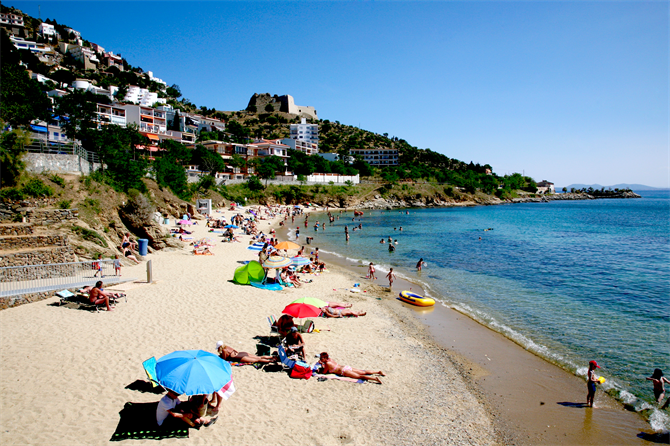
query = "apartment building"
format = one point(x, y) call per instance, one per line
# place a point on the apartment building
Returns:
point(303, 146)
point(22, 44)
point(305, 132)
point(111, 60)
point(151, 122)
point(377, 157)
point(142, 96)
point(46, 29)
point(86, 85)
point(110, 114)
point(11, 19)
point(226, 150)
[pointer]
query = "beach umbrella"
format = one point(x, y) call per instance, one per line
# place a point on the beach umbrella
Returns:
point(311, 301)
point(256, 246)
point(300, 261)
point(301, 310)
point(277, 262)
point(287, 245)
point(193, 372)
point(184, 222)
point(231, 226)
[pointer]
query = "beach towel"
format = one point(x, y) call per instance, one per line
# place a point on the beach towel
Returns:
point(138, 422)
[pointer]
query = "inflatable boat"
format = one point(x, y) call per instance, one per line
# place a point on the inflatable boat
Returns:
point(415, 299)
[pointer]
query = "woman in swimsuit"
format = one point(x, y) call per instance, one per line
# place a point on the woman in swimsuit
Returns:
point(330, 366)
point(659, 386)
point(230, 354)
point(329, 311)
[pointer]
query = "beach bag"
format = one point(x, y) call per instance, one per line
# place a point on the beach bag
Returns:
point(301, 372)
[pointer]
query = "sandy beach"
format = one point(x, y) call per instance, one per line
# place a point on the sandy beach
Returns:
point(66, 372)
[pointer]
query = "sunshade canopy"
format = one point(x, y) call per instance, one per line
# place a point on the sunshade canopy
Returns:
point(251, 272)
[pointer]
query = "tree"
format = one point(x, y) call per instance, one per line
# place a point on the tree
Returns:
point(78, 111)
point(207, 160)
point(239, 132)
point(174, 91)
point(565, 189)
point(116, 146)
point(22, 98)
point(269, 108)
point(175, 124)
point(11, 154)
point(63, 77)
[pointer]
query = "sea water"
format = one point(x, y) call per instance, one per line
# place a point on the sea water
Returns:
point(571, 281)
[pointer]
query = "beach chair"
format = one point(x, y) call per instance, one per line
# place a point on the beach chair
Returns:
point(150, 369)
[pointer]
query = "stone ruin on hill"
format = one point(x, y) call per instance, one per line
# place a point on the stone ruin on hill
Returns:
point(284, 104)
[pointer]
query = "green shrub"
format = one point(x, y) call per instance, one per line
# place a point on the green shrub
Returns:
point(91, 236)
point(92, 204)
point(449, 191)
point(64, 204)
point(57, 180)
point(36, 188)
point(12, 193)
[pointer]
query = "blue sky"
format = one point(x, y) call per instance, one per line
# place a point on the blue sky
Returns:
point(571, 92)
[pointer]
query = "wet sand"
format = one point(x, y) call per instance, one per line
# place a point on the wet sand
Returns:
point(531, 401)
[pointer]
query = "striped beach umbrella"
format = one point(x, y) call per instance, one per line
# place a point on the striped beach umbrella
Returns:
point(277, 262)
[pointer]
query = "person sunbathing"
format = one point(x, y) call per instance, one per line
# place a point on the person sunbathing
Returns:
point(204, 252)
point(230, 354)
point(128, 253)
point(330, 311)
point(330, 366)
point(98, 297)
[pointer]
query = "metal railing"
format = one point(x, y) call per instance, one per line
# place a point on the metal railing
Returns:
point(29, 279)
point(57, 148)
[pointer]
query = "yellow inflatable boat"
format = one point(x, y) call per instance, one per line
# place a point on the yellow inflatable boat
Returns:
point(415, 299)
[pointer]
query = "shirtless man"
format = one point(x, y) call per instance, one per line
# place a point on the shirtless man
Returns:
point(330, 366)
point(96, 296)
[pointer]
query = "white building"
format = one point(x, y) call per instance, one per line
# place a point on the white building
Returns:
point(142, 96)
point(545, 187)
point(305, 132)
point(155, 79)
point(151, 122)
point(110, 114)
point(11, 19)
point(377, 157)
point(86, 85)
point(302, 146)
point(23, 44)
point(47, 29)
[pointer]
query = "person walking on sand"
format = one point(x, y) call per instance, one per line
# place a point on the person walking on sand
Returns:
point(420, 264)
point(391, 277)
point(371, 271)
point(592, 378)
point(659, 386)
point(117, 266)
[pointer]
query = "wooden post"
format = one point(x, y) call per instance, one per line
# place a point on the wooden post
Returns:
point(149, 272)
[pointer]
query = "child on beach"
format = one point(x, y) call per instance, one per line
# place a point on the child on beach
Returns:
point(97, 266)
point(420, 264)
point(591, 382)
point(117, 266)
point(371, 271)
point(391, 277)
point(659, 386)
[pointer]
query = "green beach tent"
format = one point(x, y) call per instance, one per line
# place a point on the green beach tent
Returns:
point(251, 272)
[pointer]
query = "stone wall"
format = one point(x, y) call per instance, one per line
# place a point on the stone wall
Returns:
point(32, 241)
point(58, 163)
point(14, 301)
point(61, 254)
point(15, 229)
point(50, 216)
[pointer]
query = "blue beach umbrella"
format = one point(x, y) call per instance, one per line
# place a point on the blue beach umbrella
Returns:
point(193, 372)
point(300, 261)
point(256, 246)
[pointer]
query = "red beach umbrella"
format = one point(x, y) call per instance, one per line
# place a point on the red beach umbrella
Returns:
point(301, 310)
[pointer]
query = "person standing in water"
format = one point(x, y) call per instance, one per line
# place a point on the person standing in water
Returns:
point(659, 386)
point(591, 382)
point(420, 264)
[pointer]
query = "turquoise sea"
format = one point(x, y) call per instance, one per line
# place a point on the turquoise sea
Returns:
point(571, 281)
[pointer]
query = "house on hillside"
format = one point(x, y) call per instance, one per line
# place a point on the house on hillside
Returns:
point(305, 132)
point(545, 187)
point(302, 146)
point(379, 157)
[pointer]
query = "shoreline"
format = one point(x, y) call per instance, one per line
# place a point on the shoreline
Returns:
point(529, 416)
